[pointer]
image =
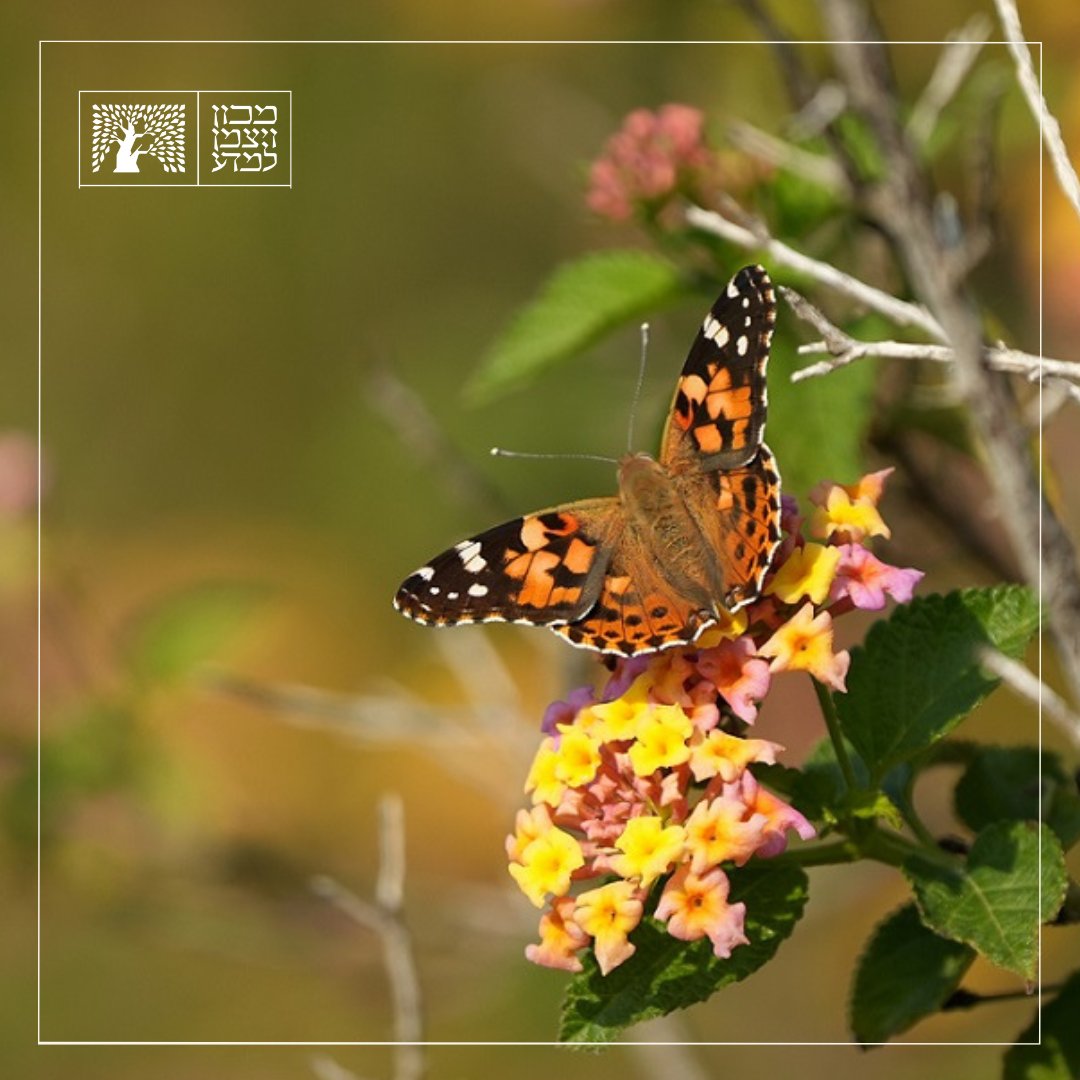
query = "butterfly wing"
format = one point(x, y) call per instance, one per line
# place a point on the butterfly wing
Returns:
point(713, 443)
point(637, 611)
point(543, 568)
point(717, 418)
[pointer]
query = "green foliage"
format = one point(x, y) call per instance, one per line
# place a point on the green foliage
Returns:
point(172, 638)
point(581, 302)
point(1049, 1048)
point(1013, 784)
point(918, 674)
point(803, 431)
point(992, 902)
point(906, 973)
point(666, 974)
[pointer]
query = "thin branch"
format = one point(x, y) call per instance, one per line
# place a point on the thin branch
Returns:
point(843, 349)
point(898, 311)
point(816, 168)
point(1025, 684)
point(953, 65)
point(384, 918)
point(902, 204)
point(1029, 83)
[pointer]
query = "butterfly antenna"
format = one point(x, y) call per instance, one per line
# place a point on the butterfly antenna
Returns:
point(498, 451)
point(637, 388)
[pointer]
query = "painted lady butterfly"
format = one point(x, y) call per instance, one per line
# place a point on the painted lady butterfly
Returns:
point(688, 538)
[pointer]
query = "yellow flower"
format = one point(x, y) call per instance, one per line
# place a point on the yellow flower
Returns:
point(577, 756)
point(543, 779)
point(609, 914)
point(661, 740)
point(728, 755)
point(648, 849)
point(853, 518)
point(547, 864)
point(728, 626)
point(808, 571)
point(804, 643)
point(618, 720)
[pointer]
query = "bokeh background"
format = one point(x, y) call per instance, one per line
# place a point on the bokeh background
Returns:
point(240, 393)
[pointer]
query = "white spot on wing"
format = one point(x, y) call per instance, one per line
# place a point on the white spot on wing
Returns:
point(475, 564)
point(425, 573)
point(468, 550)
point(742, 344)
point(478, 590)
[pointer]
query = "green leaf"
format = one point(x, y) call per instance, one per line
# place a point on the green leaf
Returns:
point(168, 641)
point(1015, 783)
point(907, 972)
point(665, 974)
point(918, 673)
point(992, 902)
point(1053, 1040)
point(808, 442)
point(580, 303)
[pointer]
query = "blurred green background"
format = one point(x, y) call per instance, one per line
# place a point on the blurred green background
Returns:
point(227, 481)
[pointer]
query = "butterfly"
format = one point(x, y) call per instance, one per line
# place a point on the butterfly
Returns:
point(687, 540)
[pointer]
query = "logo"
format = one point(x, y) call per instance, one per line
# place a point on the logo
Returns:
point(136, 130)
point(189, 138)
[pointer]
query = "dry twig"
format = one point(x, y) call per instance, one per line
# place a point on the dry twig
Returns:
point(384, 918)
point(902, 204)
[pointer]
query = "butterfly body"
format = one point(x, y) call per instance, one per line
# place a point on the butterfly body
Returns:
point(687, 539)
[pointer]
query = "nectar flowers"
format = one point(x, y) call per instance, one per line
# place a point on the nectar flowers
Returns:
point(645, 805)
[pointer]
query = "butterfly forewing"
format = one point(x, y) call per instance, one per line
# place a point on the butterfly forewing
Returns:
point(542, 568)
point(717, 418)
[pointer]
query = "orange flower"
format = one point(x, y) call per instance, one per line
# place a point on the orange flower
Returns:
point(804, 643)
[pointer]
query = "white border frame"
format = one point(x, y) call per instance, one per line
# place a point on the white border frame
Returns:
point(847, 1044)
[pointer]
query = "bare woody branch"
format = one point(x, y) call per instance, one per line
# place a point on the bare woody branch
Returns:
point(902, 204)
point(1029, 83)
point(1027, 685)
point(384, 918)
point(754, 236)
point(843, 349)
point(953, 65)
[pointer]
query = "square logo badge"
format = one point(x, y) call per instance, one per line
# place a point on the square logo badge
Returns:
point(245, 138)
point(132, 137)
point(190, 138)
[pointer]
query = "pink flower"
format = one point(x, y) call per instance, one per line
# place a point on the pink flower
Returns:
point(696, 905)
point(778, 815)
point(740, 677)
point(650, 158)
point(865, 580)
point(561, 939)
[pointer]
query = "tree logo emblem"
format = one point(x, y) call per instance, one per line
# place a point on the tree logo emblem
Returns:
point(136, 131)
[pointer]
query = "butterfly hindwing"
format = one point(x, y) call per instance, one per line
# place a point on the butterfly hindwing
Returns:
point(542, 568)
point(738, 511)
point(636, 612)
point(717, 417)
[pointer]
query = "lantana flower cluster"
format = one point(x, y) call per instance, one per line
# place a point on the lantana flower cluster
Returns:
point(643, 801)
point(657, 155)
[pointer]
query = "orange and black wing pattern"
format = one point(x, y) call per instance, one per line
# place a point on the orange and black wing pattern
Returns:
point(543, 568)
point(717, 418)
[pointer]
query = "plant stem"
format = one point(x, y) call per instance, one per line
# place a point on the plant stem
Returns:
point(893, 849)
point(836, 736)
point(830, 854)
